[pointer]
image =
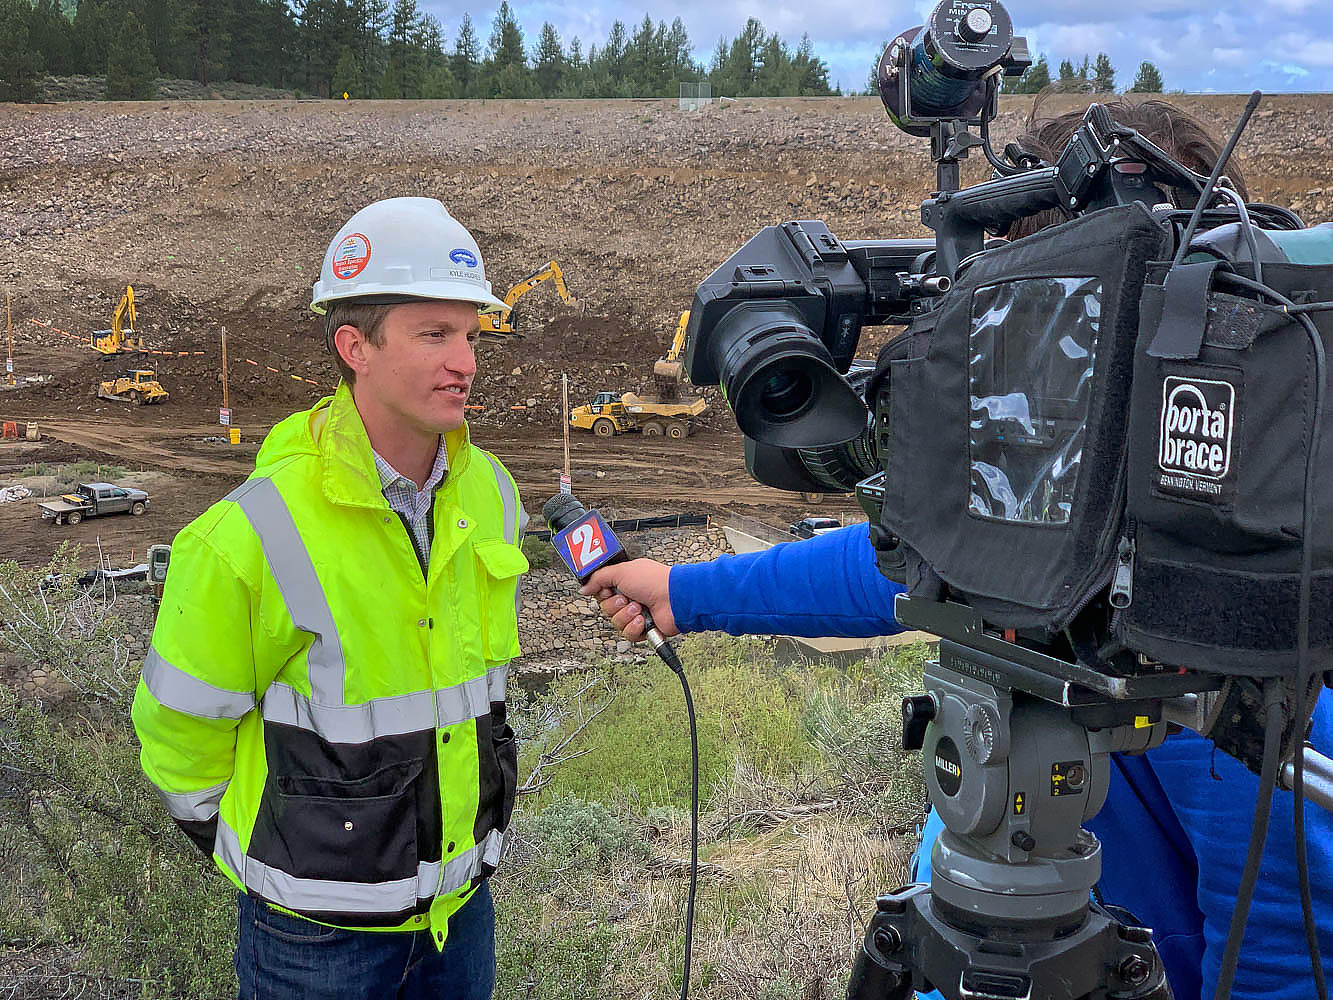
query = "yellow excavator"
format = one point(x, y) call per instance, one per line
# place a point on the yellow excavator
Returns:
point(121, 336)
point(502, 324)
point(669, 369)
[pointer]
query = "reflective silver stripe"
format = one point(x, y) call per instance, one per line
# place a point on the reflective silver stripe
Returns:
point(289, 562)
point(513, 532)
point(183, 692)
point(332, 896)
point(491, 848)
point(508, 495)
point(393, 716)
point(497, 679)
point(197, 806)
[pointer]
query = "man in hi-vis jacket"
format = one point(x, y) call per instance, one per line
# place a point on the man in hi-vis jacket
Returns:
point(323, 706)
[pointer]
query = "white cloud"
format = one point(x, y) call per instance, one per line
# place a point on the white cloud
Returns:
point(1196, 48)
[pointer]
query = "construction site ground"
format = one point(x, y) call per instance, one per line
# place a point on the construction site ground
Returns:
point(219, 213)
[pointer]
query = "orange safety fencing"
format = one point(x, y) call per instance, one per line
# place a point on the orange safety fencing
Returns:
point(89, 340)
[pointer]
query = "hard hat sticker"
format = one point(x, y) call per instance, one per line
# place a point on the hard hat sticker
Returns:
point(351, 256)
point(463, 256)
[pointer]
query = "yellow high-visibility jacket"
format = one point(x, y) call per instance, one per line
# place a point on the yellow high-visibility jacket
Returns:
point(325, 715)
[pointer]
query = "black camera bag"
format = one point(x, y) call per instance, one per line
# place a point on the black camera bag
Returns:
point(1005, 444)
point(1220, 432)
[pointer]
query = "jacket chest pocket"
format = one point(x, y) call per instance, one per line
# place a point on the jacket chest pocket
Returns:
point(499, 565)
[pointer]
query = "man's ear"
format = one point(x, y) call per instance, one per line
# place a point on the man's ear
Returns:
point(351, 346)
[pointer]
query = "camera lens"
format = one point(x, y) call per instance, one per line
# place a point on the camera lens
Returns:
point(786, 393)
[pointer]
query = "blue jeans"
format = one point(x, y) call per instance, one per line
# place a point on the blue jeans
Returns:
point(279, 957)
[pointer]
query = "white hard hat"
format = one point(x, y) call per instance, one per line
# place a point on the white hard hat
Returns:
point(402, 249)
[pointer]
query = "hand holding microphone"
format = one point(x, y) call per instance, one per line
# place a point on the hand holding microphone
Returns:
point(632, 592)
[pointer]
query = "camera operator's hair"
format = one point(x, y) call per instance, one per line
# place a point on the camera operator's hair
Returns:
point(1175, 131)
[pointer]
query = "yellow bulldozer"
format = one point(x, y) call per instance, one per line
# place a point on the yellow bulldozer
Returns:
point(121, 337)
point(503, 324)
point(138, 386)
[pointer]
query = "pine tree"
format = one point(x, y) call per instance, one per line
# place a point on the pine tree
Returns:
point(610, 65)
point(20, 63)
point(405, 72)
point(1034, 79)
point(505, 70)
point(263, 42)
point(548, 62)
point(466, 60)
point(437, 80)
point(1038, 76)
point(679, 48)
point(576, 71)
point(1074, 79)
point(206, 33)
point(131, 73)
point(872, 78)
point(1148, 80)
point(1103, 75)
point(347, 76)
point(92, 36)
point(51, 34)
point(811, 71)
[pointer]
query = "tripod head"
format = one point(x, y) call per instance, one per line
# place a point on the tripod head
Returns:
point(1014, 775)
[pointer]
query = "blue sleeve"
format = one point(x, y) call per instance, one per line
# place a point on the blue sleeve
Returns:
point(1183, 812)
point(828, 585)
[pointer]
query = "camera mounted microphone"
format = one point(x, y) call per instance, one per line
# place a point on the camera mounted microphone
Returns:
point(586, 543)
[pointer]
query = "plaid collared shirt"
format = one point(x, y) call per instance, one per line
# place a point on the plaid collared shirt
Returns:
point(413, 504)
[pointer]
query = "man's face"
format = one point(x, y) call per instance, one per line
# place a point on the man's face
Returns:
point(422, 371)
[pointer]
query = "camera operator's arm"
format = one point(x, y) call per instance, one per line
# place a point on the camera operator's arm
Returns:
point(828, 585)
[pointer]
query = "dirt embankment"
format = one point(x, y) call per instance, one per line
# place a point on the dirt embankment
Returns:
point(219, 213)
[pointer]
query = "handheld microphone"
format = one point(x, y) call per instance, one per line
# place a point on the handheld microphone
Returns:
point(586, 543)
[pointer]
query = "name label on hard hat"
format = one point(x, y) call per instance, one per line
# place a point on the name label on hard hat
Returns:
point(351, 256)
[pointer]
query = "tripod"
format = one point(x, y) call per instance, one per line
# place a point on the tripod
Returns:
point(1016, 760)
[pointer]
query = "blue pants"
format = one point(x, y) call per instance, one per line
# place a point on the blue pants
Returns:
point(280, 957)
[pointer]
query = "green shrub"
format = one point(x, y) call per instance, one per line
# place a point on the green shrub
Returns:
point(583, 834)
point(93, 865)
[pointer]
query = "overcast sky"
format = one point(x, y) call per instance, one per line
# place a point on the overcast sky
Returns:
point(1228, 46)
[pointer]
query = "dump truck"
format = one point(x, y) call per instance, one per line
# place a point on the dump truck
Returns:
point(612, 413)
point(94, 500)
point(138, 386)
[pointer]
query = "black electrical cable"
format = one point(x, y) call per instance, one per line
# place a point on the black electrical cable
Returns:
point(1258, 834)
point(1305, 674)
point(669, 657)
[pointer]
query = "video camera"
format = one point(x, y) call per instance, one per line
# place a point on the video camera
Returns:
point(1089, 457)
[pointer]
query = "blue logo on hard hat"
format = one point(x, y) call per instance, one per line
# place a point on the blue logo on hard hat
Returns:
point(461, 256)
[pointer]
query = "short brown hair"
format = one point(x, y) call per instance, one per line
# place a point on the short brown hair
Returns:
point(368, 317)
point(1178, 133)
